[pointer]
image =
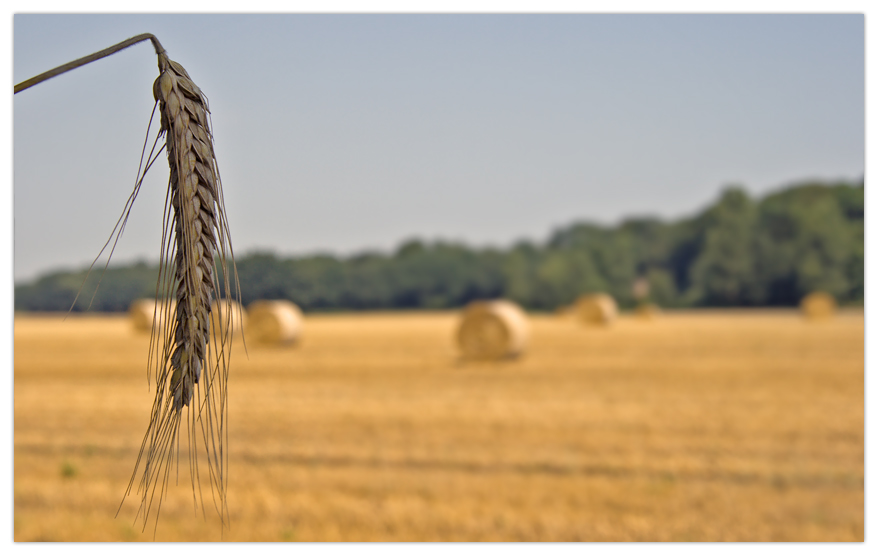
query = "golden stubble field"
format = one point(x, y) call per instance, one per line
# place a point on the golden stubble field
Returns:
point(698, 426)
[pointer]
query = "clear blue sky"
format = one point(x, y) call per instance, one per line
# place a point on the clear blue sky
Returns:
point(342, 133)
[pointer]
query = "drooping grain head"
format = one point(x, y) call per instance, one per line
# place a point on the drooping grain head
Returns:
point(190, 357)
point(190, 155)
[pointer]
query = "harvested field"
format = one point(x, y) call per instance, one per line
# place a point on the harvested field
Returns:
point(699, 426)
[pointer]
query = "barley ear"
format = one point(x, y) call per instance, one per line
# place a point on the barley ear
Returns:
point(190, 359)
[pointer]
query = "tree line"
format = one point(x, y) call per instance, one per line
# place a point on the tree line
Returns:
point(739, 251)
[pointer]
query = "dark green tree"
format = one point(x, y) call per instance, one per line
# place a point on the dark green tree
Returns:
point(722, 273)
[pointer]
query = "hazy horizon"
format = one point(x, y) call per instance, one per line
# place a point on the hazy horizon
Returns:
point(351, 133)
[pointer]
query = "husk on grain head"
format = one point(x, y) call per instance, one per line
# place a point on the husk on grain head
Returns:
point(274, 321)
point(492, 330)
point(818, 305)
point(596, 309)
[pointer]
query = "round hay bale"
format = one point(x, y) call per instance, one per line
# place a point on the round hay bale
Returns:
point(563, 311)
point(640, 288)
point(596, 309)
point(492, 330)
point(224, 313)
point(647, 311)
point(143, 312)
point(274, 321)
point(818, 305)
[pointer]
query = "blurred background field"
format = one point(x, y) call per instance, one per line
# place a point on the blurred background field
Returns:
point(699, 425)
point(703, 173)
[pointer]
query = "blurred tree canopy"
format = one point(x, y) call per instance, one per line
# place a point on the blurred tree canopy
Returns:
point(738, 252)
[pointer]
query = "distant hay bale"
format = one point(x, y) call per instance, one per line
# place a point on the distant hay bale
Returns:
point(563, 310)
point(221, 317)
point(640, 288)
point(492, 330)
point(818, 305)
point(647, 311)
point(596, 309)
point(143, 312)
point(274, 321)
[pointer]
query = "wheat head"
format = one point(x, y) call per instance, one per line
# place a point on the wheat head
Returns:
point(189, 358)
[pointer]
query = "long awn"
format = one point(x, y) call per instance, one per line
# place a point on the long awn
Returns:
point(188, 360)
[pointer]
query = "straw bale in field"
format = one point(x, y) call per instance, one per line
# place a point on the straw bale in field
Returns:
point(221, 317)
point(143, 312)
point(818, 305)
point(563, 311)
point(640, 288)
point(274, 321)
point(647, 311)
point(492, 330)
point(597, 308)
